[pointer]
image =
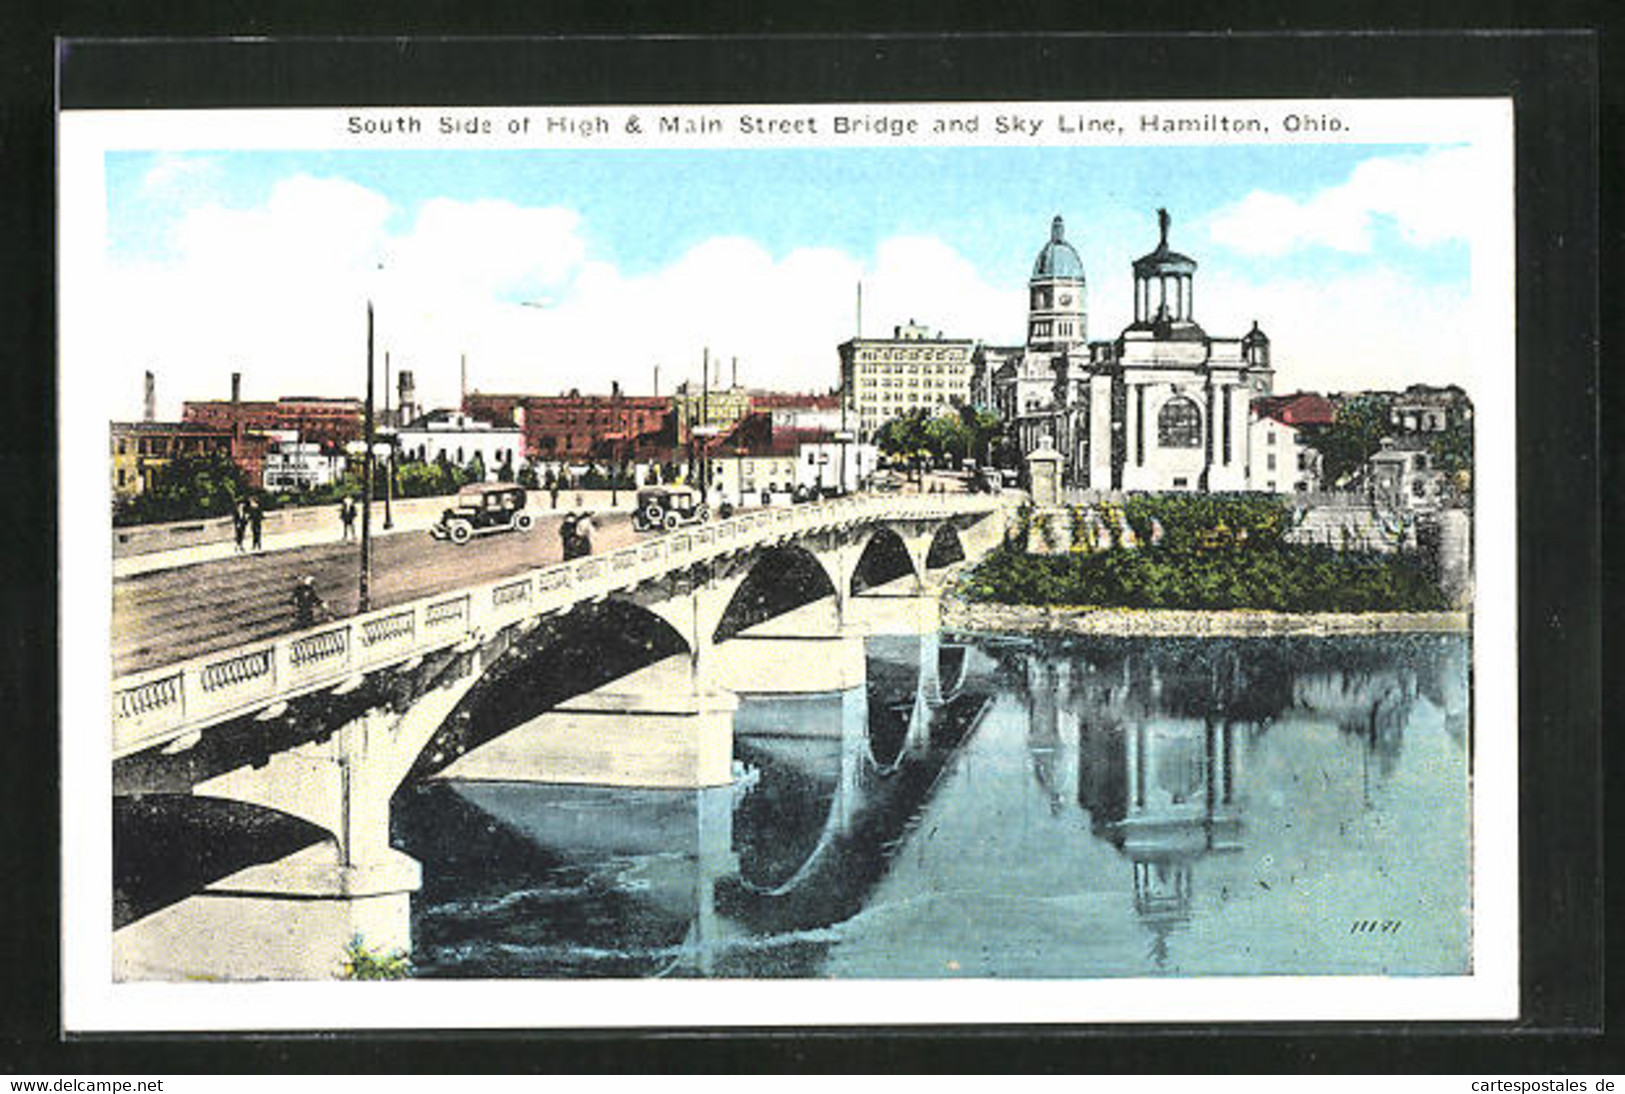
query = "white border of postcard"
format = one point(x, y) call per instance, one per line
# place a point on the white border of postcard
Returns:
point(92, 1001)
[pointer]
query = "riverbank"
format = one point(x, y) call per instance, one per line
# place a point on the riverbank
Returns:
point(961, 615)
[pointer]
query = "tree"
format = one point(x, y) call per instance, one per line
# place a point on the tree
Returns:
point(904, 435)
point(1350, 441)
point(188, 487)
point(476, 468)
point(947, 438)
point(985, 429)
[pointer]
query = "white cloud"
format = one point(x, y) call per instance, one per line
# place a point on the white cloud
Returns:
point(278, 293)
point(177, 176)
point(1359, 331)
point(1431, 197)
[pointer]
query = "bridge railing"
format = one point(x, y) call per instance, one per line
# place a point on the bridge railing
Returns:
point(160, 705)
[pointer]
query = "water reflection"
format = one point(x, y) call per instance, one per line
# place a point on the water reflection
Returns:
point(1000, 808)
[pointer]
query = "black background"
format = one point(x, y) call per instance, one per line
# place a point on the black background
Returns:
point(1561, 108)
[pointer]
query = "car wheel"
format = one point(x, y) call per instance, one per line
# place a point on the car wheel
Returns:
point(672, 521)
point(651, 516)
point(523, 522)
point(703, 513)
point(459, 531)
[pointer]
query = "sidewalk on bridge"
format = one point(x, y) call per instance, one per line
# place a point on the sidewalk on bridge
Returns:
point(329, 532)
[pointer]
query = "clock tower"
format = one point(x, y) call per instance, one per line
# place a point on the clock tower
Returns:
point(1056, 318)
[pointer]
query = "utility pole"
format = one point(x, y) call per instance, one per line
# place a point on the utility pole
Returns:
point(366, 493)
point(389, 476)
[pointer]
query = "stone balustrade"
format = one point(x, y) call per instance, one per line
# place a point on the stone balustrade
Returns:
point(161, 705)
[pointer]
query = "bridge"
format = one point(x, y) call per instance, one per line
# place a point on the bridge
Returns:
point(325, 724)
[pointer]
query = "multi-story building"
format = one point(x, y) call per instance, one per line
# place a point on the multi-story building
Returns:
point(1424, 409)
point(330, 422)
point(717, 408)
point(141, 450)
point(1404, 475)
point(756, 458)
point(1162, 407)
point(577, 428)
point(1282, 460)
point(457, 438)
point(886, 378)
point(292, 465)
point(798, 411)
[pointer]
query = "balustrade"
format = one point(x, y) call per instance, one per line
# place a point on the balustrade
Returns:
point(155, 707)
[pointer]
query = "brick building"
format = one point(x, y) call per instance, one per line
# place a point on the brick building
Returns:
point(575, 427)
point(331, 423)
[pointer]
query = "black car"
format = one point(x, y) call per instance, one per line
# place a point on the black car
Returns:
point(667, 507)
point(482, 509)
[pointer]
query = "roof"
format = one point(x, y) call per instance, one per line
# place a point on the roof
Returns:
point(1162, 260)
point(1058, 258)
point(1298, 408)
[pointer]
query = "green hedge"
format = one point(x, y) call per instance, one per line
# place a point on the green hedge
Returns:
point(1190, 521)
point(1275, 577)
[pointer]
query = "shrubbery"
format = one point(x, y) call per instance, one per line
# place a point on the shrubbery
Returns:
point(1280, 577)
point(1202, 552)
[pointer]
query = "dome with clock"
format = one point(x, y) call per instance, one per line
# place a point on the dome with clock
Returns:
point(1056, 319)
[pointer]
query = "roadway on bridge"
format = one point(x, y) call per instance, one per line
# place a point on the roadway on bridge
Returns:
point(176, 614)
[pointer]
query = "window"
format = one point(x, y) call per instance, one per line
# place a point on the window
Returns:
point(1421, 461)
point(1179, 484)
point(1179, 424)
point(1269, 438)
point(1418, 488)
point(1269, 462)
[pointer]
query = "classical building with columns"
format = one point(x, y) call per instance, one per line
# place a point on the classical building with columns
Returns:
point(1165, 406)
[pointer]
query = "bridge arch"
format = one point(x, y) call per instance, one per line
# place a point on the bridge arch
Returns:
point(946, 548)
point(778, 579)
point(885, 557)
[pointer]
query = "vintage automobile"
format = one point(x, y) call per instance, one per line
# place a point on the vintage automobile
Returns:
point(483, 508)
point(668, 507)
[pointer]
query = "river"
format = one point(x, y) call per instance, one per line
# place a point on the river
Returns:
point(999, 807)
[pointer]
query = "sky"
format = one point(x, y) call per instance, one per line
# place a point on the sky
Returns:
point(552, 269)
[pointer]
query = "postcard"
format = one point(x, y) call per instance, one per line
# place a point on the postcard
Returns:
point(788, 564)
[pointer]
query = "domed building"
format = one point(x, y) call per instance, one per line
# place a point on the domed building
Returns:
point(1165, 406)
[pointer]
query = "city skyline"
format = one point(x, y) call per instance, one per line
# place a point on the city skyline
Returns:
point(558, 270)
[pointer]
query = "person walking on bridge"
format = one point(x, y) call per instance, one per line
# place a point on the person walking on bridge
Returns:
point(307, 606)
point(347, 517)
point(239, 522)
point(256, 520)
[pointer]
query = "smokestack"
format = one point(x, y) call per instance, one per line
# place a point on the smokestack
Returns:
point(406, 405)
point(149, 405)
point(614, 389)
point(463, 388)
point(236, 389)
point(657, 381)
point(736, 372)
point(860, 309)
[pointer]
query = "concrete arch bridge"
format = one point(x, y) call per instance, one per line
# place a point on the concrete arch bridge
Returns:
point(325, 724)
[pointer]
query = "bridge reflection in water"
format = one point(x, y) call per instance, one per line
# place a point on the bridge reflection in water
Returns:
point(972, 806)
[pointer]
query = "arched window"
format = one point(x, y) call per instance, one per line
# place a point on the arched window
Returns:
point(1179, 424)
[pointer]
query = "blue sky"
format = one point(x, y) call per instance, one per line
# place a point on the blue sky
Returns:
point(1316, 229)
point(643, 209)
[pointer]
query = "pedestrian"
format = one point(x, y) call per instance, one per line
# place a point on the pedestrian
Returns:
point(584, 529)
point(239, 522)
point(347, 516)
point(553, 493)
point(256, 520)
point(306, 604)
point(567, 537)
